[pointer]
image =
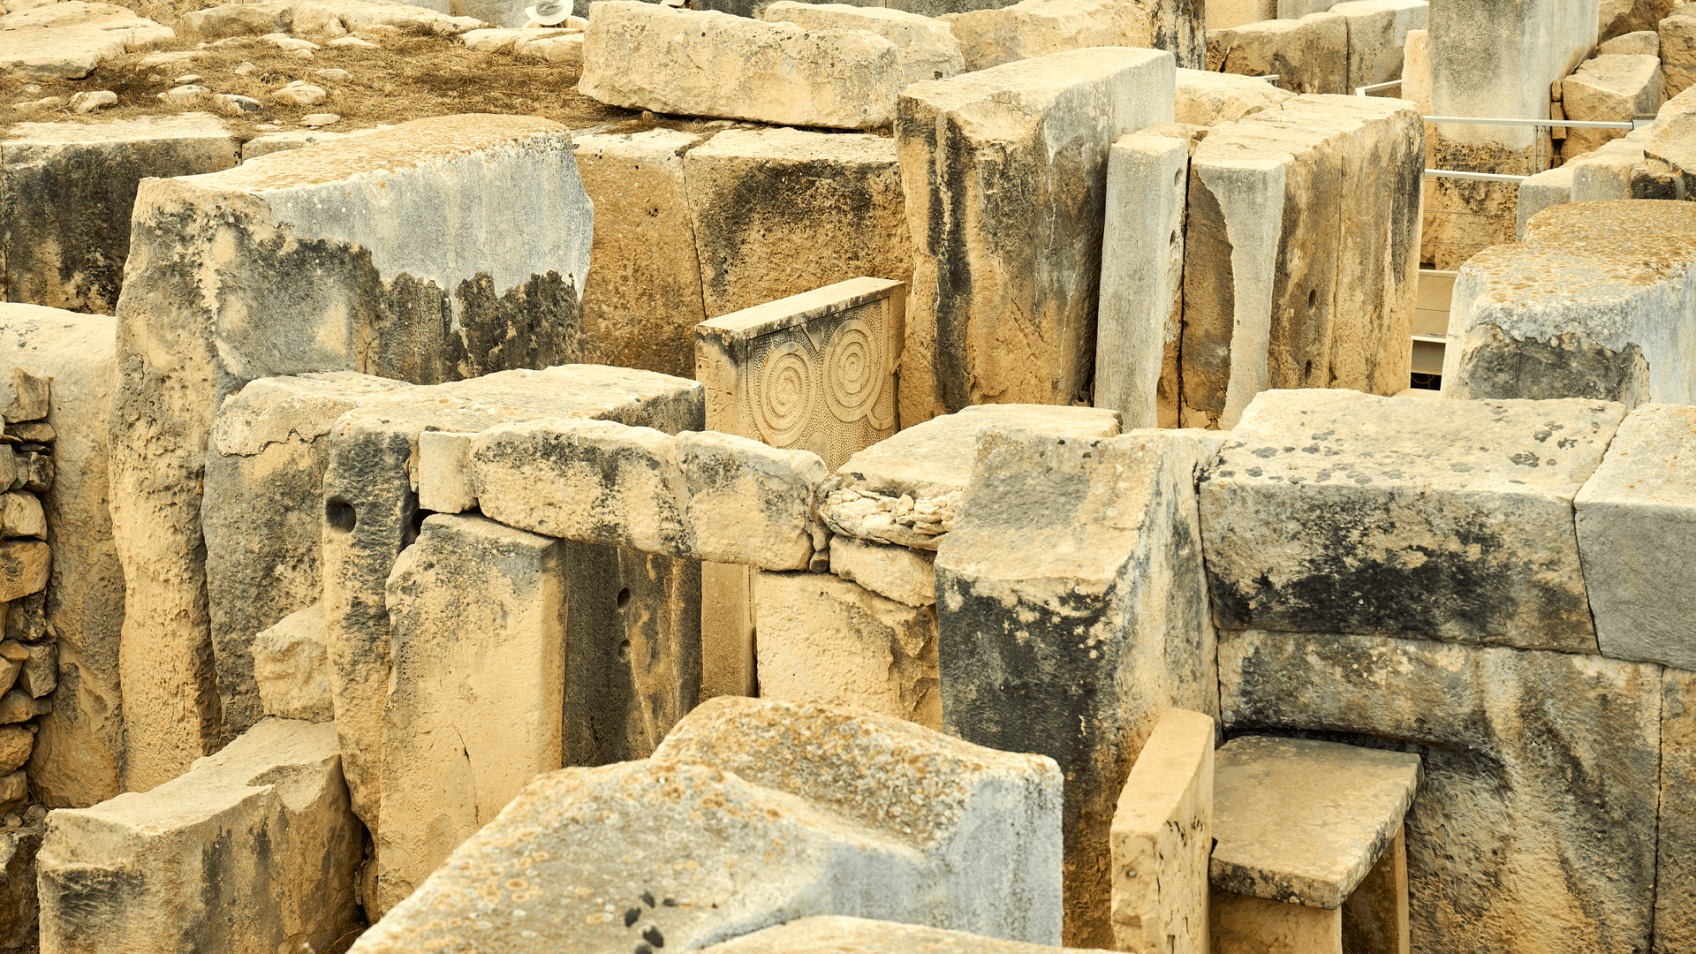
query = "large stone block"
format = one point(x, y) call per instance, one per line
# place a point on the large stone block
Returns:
point(307, 268)
point(903, 574)
point(704, 63)
point(1073, 611)
point(825, 934)
point(1593, 303)
point(926, 48)
point(1161, 839)
point(1624, 17)
point(1339, 512)
point(1036, 28)
point(1612, 88)
point(1675, 871)
point(291, 666)
point(66, 193)
point(751, 814)
point(1678, 50)
point(1534, 829)
point(1208, 99)
point(1499, 58)
point(67, 41)
point(1308, 55)
point(1005, 177)
point(79, 748)
point(1378, 32)
point(1224, 14)
point(252, 850)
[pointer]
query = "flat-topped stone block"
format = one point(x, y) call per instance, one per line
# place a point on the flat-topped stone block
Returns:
point(1162, 837)
point(68, 40)
point(1207, 98)
point(927, 49)
point(1033, 28)
point(832, 934)
point(1310, 54)
point(1611, 87)
point(1378, 32)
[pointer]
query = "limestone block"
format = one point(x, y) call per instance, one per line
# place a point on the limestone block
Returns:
point(703, 63)
point(1534, 827)
point(1161, 838)
point(19, 706)
point(1140, 320)
point(240, 19)
point(1247, 925)
point(930, 465)
point(20, 926)
point(1378, 32)
point(1612, 87)
point(1498, 59)
point(253, 849)
point(1416, 70)
point(1308, 55)
point(782, 212)
point(35, 472)
point(67, 190)
point(1338, 512)
point(16, 741)
point(749, 503)
point(21, 515)
point(829, 641)
point(925, 47)
point(1296, 9)
point(80, 744)
point(476, 690)
point(39, 675)
point(1005, 178)
point(1036, 28)
point(292, 138)
point(23, 396)
point(262, 520)
point(1073, 610)
point(1675, 872)
point(13, 654)
point(23, 568)
point(1547, 188)
point(313, 273)
point(1224, 14)
point(902, 574)
point(1593, 303)
point(1634, 510)
point(1636, 43)
point(290, 666)
point(1678, 50)
point(445, 483)
point(1667, 166)
point(643, 293)
point(822, 935)
point(68, 40)
point(1208, 99)
point(14, 792)
point(1620, 18)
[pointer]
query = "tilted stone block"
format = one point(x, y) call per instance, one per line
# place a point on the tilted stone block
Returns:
point(253, 848)
point(901, 573)
point(1308, 55)
point(826, 933)
point(1207, 99)
point(1162, 837)
point(1073, 611)
point(1036, 28)
point(749, 503)
point(1678, 51)
point(1333, 511)
point(926, 47)
point(291, 667)
point(1612, 87)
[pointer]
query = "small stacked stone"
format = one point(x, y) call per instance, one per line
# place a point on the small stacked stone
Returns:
point(28, 655)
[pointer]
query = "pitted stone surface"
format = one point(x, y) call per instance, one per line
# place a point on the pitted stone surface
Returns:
point(835, 935)
point(1162, 837)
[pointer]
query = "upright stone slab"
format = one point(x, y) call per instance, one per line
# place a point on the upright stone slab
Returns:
point(1308, 55)
point(925, 46)
point(753, 813)
point(1594, 303)
point(1378, 32)
point(1675, 869)
point(253, 849)
point(1073, 611)
point(476, 688)
point(1004, 176)
point(781, 212)
point(1036, 28)
point(1339, 512)
point(79, 746)
point(1678, 50)
point(1534, 829)
point(1162, 837)
point(66, 192)
point(439, 249)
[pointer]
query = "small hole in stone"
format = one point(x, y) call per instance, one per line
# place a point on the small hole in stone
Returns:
point(623, 597)
point(339, 515)
point(1178, 178)
point(624, 650)
point(1312, 297)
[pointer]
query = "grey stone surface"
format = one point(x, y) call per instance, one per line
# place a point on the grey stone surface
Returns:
point(1538, 192)
point(1534, 829)
point(827, 934)
point(1333, 511)
point(1073, 610)
point(1309, 54)
point(68, 40)
point(1378, 32)
point(1498, 58)
point(1303, 821)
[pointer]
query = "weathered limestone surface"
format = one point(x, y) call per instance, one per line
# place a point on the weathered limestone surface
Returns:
point(1224, 14)
point(703, 63)
point(1612, 87)
point(68, 40)
point(1593, 303)
point(1245, 925)
point(826, 640)
point(1625, 17)
point(79, 748)
point(1675, 872)
point(255, 843)
point(1636, 509)
point(66, 192)
point(1333, 511)
point(827, 934)
point(1547, 188)
point(1678, 50)
point(1036, 28)
point(903, 574)
point(1208, 99)
point(1499, 59)
point(296, 262)
point(1073, 611)
point(1534, 828)
point(1004, 178)
point(1309, 55)
point(1378, 32)
point(780, 212)
point(754, 813)
point(1161, 838)
point(291, 666)
point(926, 48)
point(1637, 42)
point(1416, 71)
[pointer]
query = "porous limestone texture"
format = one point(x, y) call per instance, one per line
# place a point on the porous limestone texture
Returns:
point(826, 640)
point(20, 927)
point(1298, 247)
point(781, 212)
point(704, 63)
point(291, 667)
point(1499, 58)
point(1036, 28)
point(1378, 32)
point(1073, 611)
point(1308, 55)
point(1004, 175)
point(753, 813)
point(1340, 512)
point(68, 40)
point(252, 849)
point(476, 688)
point(830, 934)
point(1161, 838)
point(1538, 192)
point(66, 193)
point(903, 574)
point(1208, 99)
point(1140, 319)
point(1622, 18)
point(926, 48)
point(1595, 302)
point(1675, 871)
point(79, 748)
point(1613, 88)
point(1534, 829)
point(1638, 508)
point(296, 262)
point(1224, 14)
point(629, 672)
point(1678, 50)
point(1245, 925)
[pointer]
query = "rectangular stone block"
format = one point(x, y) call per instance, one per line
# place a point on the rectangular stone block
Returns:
point(703, 63)
point(291, 667)
point(1005, 176)
point(749, 503)
point(1378, 32)
point(1675, 869)
point(253, 849)
point(1208, 99)
point(1534, 826)
point(820, 935)
point(926, 47)
point(1332, 511)
point(1308, 55)
point(1036, 28)
point(1498, 58)
point(1161, 839)
point(1678, 50)
point(1073, 611)
point(1612, 87)
point(1224, 14)
point(900, 573)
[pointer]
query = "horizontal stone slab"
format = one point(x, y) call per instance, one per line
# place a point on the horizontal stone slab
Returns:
point(832, 934)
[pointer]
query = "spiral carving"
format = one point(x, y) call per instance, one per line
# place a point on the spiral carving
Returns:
point(853, 371)
point(784, 395)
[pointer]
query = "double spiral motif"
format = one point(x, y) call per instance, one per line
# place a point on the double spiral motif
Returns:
point(783, 400)
point(791, 380)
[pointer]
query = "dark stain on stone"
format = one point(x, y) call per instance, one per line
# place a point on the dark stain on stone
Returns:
point(1566, 366)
